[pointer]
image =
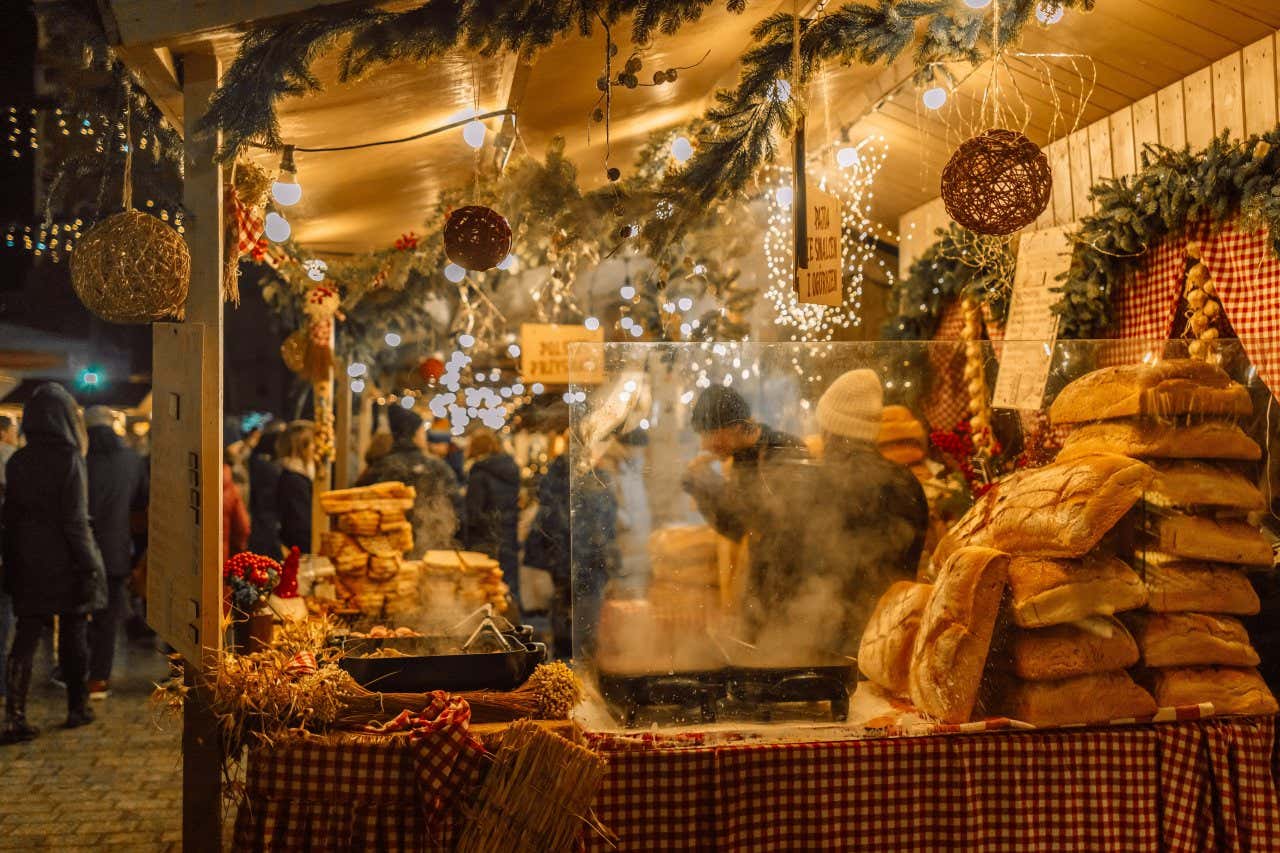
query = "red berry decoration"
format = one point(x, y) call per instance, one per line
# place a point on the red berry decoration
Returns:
point(476, 238)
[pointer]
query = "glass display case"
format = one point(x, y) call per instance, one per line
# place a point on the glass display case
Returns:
point(739, 511)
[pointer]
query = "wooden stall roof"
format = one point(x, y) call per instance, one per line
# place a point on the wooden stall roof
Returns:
point(365, 199)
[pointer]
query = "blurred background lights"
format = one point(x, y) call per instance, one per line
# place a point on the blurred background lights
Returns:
point(681, 149)
point(847, 156)
point(591, 323)
point(934, 98)
point(392, 339)
point(454, 273)
point(474, 130)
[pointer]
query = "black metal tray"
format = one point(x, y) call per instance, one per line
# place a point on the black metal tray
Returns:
point(453, 672)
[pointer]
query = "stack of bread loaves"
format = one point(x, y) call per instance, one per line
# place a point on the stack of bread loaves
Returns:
point(368, 545)
point(458, 582)
point(1194, 540)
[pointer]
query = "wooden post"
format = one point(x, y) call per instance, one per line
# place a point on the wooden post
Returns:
point(202, 197)
point(323, 481)
point(342, 430)
point(364, 429)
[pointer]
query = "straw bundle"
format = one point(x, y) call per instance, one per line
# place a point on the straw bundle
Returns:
point(536, 795)
point(549, 694)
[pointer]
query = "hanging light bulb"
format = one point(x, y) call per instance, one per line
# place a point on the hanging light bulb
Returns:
point(934, 98)
point(1049, 12)
point(454, 273)
point(784, 196)
point(473, 133)
point(847, 156)
point(277, 228)
point(591, 323)
point(977, 4)
point(681, 149)
point(286, 190)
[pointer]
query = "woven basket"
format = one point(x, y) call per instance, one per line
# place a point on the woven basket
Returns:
point(996, 183)
point(132, 268)
point(476, 238)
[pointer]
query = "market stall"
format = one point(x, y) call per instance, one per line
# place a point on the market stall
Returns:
point(975, 553)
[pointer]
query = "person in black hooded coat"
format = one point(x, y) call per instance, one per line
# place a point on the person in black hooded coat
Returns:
point(52, 566)
point(491, 517)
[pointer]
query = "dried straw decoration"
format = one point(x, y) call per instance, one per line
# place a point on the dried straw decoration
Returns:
point(996, 183)
point(536, 795)
point(132, 268)
point(476, 237)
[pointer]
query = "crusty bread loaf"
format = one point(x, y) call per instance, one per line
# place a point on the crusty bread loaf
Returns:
point(1175, 585)
point(1231, 690)
point(1176, 386)
point(1093, 645)
point(1084, 699)
point(1192, 639)
point(955, 633)
point(1142, 439)
point(389, 497)
point(1195, 538)
point(1190, 485)
point(1064, 509)
point(1056, 591)
point(884, 656)
point(969, 529)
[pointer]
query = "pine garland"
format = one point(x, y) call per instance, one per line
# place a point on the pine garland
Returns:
point(1174, 190)
point(275, 61)
point(942, 273)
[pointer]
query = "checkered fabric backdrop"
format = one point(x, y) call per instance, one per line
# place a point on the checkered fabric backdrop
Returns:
point(1181, 787)
point(946, 402)
point(1246, 273)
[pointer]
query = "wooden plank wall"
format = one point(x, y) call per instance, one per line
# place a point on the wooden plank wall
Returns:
point(1237, 93)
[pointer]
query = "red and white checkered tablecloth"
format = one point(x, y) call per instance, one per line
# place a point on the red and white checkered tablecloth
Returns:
point(1246, 273)
point(1185, 786)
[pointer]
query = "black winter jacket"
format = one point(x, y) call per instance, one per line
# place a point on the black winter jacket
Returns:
point(264, 506)
point(51, 563)
point(437, 505)
point(118, 485)
point(548, 544)
point(293, 497)
point(492, 512)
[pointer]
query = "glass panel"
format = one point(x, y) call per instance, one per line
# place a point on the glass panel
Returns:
point(727, 554)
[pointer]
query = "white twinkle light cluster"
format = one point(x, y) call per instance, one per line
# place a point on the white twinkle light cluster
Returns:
point(852, 184)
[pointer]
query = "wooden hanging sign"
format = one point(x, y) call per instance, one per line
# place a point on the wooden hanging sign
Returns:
point(545, 354)
point(820, 279)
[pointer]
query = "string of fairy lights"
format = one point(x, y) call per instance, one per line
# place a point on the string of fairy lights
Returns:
point(852, 182)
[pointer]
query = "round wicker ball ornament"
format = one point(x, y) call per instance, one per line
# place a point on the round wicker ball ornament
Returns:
point(996, 183)
point(132, 268)
point(476, 237)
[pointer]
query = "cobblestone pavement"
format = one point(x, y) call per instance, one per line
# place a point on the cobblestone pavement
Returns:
point(112, 785)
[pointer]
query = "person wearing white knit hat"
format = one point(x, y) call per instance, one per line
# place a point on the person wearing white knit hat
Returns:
point(868, 528)
point(851, 407)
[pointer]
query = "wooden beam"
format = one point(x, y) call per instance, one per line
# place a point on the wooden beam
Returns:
point(342, 430)
point(202, 197)
point(157, 72)
point(518, 83)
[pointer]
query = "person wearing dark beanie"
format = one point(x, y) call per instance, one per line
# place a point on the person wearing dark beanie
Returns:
point(437, 504)
point(736, 502)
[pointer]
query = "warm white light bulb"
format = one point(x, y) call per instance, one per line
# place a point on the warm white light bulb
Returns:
point(934, 98)
point(514, 350)
point(537, 388)
point(454, 273)
point(406, 403)
point(465, 340)
point(355, 369)
point(626, 322)
point(286, 191)
point(277, 228)
point(684, 303)
point(392, 339)
point(636, 331)
point(627, 292)
point(847, 156)
point(357, 385)
point(1050, 12)
point(474, 130)
point(784, 196)
point(507, 263)
point(681, 149)
point(591, 323)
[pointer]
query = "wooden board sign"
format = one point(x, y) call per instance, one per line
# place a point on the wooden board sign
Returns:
point(821, 281)
point(174, 576)
point(544, 354)
point(1029, 333)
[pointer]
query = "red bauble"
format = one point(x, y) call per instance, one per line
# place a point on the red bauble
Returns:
point(431, 369)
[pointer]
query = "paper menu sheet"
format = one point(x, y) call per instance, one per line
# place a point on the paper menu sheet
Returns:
point(1030, 330)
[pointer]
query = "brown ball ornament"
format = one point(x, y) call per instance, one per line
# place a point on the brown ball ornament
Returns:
point(476, 237)
point(996, 183)
point(132, 268)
